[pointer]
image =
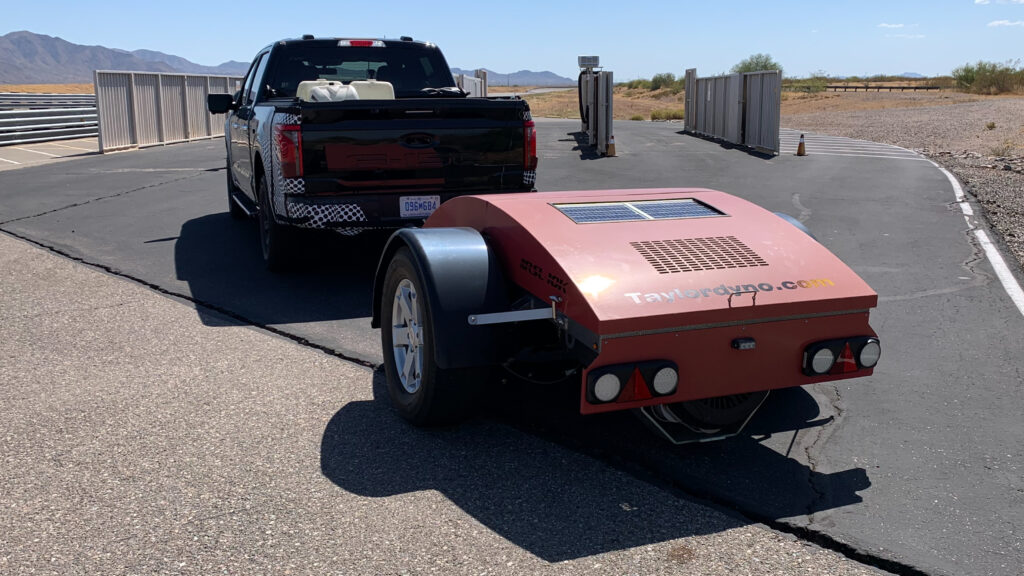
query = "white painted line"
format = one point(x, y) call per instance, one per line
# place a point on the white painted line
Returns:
point(1010, 284)
point(904, 157)
point(36, 151)
point(72, 147)
point(10, 161)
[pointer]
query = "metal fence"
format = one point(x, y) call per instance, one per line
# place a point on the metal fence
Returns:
point(20, 101)
point(474, 86)
point(138, 109)
point(739, 108)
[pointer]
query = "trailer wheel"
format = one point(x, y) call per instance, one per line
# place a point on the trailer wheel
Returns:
point(420, 391)
point(713, 414)
point(274, 238)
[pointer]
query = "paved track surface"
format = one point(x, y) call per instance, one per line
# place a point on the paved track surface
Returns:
point(139, 440)
point(919, 465)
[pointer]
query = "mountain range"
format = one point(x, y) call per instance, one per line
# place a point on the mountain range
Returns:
point(28, 58)
point(521, 78)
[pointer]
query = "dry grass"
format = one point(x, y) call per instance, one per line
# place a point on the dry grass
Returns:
point(628, 103)
point(632, 103)
point(48, 88)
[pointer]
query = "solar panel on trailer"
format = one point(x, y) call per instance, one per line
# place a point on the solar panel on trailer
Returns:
point(592, 213)
point(663, 210)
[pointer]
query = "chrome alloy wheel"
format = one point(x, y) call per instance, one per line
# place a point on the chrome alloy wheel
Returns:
point(407, 336)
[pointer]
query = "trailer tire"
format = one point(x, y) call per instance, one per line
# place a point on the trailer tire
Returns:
point(420, 391)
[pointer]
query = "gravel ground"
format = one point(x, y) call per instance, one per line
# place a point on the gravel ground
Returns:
point(988, 161)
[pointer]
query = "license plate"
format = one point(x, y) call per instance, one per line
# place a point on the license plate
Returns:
point(418, 206)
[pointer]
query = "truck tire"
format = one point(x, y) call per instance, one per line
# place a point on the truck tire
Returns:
point(274, 238)
point(420, 391)
point(233, 208)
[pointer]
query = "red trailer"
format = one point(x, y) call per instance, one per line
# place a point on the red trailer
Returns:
point(687, 305)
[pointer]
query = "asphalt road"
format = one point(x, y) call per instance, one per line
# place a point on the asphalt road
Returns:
point(919, 465)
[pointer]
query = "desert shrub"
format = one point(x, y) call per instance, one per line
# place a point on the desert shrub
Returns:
point(668, 114)
point(990, 126)
point(639, 84)
point(756, 63)
point(636, 117)
point(663, 80)
point(989, 77)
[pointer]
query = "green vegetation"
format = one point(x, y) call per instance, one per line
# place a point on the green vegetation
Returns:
point(636, 117)
point(990, 77)
point(816, 83)
point(756, 63)
point(663, 81)
point(990, 126)
point(668, 114)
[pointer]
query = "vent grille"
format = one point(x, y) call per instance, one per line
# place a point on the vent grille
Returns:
point(693, 254)
point(631, 211)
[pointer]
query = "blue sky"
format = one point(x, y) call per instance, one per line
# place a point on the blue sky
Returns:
point(633, 38)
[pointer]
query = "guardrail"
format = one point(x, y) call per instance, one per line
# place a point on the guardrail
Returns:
point(855, 88)
point(24, 126)
point(18, 101)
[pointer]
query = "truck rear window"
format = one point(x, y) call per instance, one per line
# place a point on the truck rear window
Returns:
point(408, 67)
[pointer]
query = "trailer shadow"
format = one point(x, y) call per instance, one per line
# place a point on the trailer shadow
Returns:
point(331, 278)
point(560, 504)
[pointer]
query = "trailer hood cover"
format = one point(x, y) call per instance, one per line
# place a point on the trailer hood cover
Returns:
point(628, 261)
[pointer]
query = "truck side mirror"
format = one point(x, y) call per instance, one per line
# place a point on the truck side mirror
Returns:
point(220, 103)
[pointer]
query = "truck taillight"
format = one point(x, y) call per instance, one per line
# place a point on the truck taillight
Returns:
point(288, 149)
point(529, 145)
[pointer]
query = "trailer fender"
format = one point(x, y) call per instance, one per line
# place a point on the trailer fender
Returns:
point(461, 276)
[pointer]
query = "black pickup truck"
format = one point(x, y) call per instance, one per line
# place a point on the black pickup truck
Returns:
point(350, 134)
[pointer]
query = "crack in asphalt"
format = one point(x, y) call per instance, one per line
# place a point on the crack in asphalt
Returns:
point(979, 277)
point(629, 462)
point(107, 197)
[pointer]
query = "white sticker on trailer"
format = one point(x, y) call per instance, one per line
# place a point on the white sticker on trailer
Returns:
point(418, 206)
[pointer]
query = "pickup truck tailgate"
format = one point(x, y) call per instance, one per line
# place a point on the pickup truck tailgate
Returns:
point(413, 144)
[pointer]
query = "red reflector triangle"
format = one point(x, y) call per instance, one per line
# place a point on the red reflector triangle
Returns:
point(846, 362)
point(640, 391)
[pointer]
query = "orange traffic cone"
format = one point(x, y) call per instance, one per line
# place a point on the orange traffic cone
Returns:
point(611, 146)
point(800, 150)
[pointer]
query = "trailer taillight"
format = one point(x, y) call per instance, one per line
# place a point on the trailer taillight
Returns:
point(288, 149)
point(529, 145)
point(844, 356)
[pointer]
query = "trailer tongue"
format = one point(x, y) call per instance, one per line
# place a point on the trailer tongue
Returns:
point(689, 304)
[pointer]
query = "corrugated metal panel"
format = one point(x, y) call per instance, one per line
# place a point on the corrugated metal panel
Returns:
point(141, 108)
point(147, 109)
point(195, 87)
point(174, 108)
point(114, 107)
point(738, 108)
point(690, 97)
point(764, 102)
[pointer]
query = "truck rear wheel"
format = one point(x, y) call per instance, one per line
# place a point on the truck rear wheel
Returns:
point(420, 391)
point(233, 208)
point(274, 238)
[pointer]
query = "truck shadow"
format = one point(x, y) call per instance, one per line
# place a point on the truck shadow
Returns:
point(331, 279)
point(562, 504)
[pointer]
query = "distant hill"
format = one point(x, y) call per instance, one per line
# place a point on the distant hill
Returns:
point(28, 58)
point(521, 78)
point(912, 75)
